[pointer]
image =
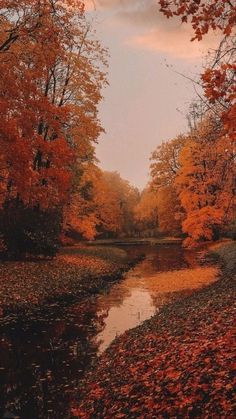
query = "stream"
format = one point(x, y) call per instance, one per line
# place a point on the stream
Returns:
point(43, 360)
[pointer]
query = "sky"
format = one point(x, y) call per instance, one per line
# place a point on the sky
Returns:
point(147, 100)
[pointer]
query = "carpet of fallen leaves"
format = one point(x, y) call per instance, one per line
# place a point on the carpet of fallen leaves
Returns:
point(180, 363)
point(75, 272)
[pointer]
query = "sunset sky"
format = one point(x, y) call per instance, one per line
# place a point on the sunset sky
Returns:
point(147, 101)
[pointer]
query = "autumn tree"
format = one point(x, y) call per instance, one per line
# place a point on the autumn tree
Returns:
point(50, 89)
point(219, 84)
point(94, 207)
point(146, 213)
point(102, 205)
point(218, 79)
point(206, 181)
point(193, 178)
point(49, 96)
point(164, 169)
point(127, 197)
point(203, 15)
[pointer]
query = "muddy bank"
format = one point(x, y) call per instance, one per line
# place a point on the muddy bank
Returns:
point(180, 363)
point(167, 241)
point(76, 273)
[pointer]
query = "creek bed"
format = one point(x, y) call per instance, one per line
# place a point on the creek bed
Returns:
point(43, 360)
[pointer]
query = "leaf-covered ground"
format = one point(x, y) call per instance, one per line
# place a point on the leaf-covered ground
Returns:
point(181, 363)
point(77, 271)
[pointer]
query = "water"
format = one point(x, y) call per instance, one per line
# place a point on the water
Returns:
point(43, 360)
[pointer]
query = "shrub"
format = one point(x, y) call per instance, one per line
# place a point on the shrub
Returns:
point(30, 230)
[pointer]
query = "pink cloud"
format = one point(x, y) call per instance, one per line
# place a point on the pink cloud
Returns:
point(174, 41)
point(156, 33)
point(89, 5)
point(96, 4)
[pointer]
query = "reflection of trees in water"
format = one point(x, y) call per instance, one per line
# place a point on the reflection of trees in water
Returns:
point(169, 261)
point(115, 298)
point(192, 258)
point(162, 258)
point(169, 258)
point(42, 363)
point(158, 259)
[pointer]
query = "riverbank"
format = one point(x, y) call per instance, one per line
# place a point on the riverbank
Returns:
point(180, 363)
point(76, 273)
point(152, 241)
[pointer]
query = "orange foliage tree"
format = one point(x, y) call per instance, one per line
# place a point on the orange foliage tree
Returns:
point(164, 168)
point(102, 205)
point(193, 178)
point(127, 197)
point(206, 181)
point(146, 213)
point(50, 88)
point(93, 206)
point(52, 72)
point(218, 80)
point(203, 14)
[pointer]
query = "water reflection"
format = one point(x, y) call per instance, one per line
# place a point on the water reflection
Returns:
point(135, 308)
point(163, 275)
point(43, 360)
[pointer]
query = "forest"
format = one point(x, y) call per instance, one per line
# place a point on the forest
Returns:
point(89, 260)
point(52, 189)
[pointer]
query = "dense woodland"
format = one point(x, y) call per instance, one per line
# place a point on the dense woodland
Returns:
point(53, 71)
point(176, 306)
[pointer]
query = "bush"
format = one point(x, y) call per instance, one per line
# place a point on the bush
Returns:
point(30, 230)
